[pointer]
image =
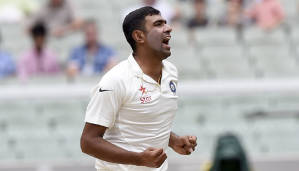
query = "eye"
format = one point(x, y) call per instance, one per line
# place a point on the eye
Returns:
point(158, 24)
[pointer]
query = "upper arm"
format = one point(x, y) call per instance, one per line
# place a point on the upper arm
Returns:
point(93, 130)
point(89, 134)
point(104, 105)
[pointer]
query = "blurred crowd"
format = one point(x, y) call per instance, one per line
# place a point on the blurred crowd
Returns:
point(58, 18)
point(266, 14)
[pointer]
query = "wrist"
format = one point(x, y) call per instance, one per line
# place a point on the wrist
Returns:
point(173, 138)
point(137, 159)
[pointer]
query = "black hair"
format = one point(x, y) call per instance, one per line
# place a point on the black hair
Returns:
point(200, 1)
point(90, 21)
point(135, 20)
point(38, 29)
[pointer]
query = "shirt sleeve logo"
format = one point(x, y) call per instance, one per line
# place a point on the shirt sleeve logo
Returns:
point(172, 87)
point(102, 90)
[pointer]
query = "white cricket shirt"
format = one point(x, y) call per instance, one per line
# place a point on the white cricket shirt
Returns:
point(137, 111)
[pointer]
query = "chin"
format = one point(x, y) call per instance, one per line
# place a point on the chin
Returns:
point(166, 54)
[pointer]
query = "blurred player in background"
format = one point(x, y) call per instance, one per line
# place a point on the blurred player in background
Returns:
point(129, 117)
point(7, 65)
point(167, 11)
point(39, 59)
point(59, 17)
point(93, 57)
point(199, 18)
point(267, 14)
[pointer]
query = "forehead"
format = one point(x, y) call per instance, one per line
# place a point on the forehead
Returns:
point(152, 18)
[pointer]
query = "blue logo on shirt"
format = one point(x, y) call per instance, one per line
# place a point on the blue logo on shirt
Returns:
point(172, 86)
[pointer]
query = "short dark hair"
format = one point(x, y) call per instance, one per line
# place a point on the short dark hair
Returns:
point(38, 29)
point(200, 1)
point(135, 21)
point(90, 21)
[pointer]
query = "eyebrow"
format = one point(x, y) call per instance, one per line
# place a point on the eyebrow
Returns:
point(160, 20)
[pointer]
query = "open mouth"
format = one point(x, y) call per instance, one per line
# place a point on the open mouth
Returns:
point(166, 40)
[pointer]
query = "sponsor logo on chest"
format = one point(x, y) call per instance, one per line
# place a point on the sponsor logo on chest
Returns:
point(145, 98)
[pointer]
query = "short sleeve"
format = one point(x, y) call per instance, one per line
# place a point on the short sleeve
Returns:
point(105, 102)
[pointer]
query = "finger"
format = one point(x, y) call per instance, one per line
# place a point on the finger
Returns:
point(158, 152)
point(162, 158)
point(192, 139)
point(193, 146)
point(189, 150)
point(186, 142)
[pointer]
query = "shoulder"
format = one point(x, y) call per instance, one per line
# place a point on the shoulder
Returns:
point(170, 67)
point(117, 75)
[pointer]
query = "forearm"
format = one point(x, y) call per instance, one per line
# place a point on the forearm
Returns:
point(104, 150)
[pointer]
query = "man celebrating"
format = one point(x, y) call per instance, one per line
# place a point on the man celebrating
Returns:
point(129, 117)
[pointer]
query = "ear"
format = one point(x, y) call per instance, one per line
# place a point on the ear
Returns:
point(138, 36)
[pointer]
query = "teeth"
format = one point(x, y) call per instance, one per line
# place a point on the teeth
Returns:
point(166, 40)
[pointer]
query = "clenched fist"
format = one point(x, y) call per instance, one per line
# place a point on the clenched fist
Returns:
point(184, 145)
point(152, 157)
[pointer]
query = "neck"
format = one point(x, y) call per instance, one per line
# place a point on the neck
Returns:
point(38, 50)
point(92, 47)
point(150, 64)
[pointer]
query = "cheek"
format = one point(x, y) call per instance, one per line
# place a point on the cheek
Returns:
point(154, 39)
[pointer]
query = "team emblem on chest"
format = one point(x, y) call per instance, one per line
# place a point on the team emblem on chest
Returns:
point(144, 97)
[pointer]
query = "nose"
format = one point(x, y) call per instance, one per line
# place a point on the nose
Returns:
point(168, 28)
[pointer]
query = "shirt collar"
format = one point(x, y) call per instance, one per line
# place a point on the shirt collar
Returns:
point(135, 67)
point(137, 71)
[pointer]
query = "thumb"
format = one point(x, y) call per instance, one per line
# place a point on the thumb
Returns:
point(190, 150)
point(158, 151)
